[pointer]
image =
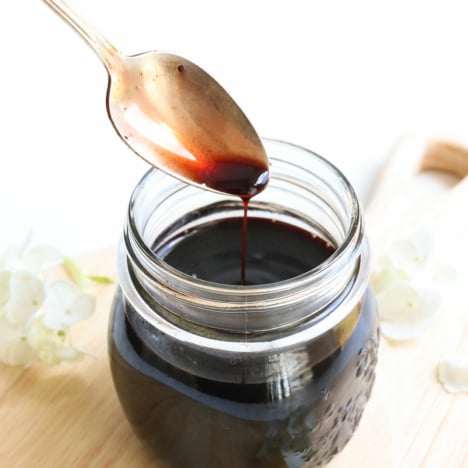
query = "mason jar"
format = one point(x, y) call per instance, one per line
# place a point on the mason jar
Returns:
point(272, 373)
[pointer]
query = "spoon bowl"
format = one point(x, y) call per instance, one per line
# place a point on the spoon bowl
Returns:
point(177, 117)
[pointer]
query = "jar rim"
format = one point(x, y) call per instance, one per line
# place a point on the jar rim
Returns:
point(354, 232)
point(316, 294)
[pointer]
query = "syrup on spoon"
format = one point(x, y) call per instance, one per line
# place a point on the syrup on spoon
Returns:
point(178, 118)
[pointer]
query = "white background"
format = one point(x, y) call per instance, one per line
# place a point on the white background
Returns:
point(344, 78)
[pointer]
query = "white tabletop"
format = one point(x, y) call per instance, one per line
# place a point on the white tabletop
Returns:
point(343, 78)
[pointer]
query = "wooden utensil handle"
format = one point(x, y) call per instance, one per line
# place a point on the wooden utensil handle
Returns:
point(445, 156)
point(410, 156)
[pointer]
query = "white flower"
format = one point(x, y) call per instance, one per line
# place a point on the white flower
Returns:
point(32, 259)
point(52, 346)
point(14, 347)
point(35, 317)
point(444, 273)
point(453, 374)
point(66, 305)
point(409, 285)
point(405, 311)
point(5, 276)
point(388, 275)
point(68, 353)
point(411, 254)
point(21, 295)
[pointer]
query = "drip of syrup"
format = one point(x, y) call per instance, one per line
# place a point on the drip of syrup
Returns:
point(241, 180)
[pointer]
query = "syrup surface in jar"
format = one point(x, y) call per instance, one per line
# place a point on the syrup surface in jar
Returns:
point(275, 251)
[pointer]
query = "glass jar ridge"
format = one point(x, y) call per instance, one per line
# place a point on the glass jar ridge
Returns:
point(306, 191)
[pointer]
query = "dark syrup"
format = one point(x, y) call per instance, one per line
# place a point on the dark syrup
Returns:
point(272, 251)
point(261, 251)
point(244, 179)
point(236, 175)
point(224, 411)
point(242, 175)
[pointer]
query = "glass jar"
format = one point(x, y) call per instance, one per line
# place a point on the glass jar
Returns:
point(227, 376)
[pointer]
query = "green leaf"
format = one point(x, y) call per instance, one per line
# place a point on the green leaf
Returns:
point(74, 272)
point(101, 279)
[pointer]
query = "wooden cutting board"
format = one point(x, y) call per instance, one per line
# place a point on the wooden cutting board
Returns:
point(69, 416)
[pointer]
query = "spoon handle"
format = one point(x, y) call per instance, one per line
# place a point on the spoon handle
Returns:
point(108, 54)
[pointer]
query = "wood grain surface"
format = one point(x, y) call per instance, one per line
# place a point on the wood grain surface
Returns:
point(69, 416)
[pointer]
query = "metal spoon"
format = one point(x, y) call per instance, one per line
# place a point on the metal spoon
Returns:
point(177, 117)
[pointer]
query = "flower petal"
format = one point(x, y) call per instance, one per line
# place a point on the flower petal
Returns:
point(405, 330)
point(37, 258)
point(68, 353)
point(11, 258)
point(17, 352)
point(5, 277)
point(38, 334)
point(60, 295)
point(51, 346)
point(406, 311)
point(82, 308)
point(66, 305)
point(453, 374)
point(26, 296)
point(444, 273)
point(397, 302)
point(388, 277)
point(404, 302)
point(412, 253)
